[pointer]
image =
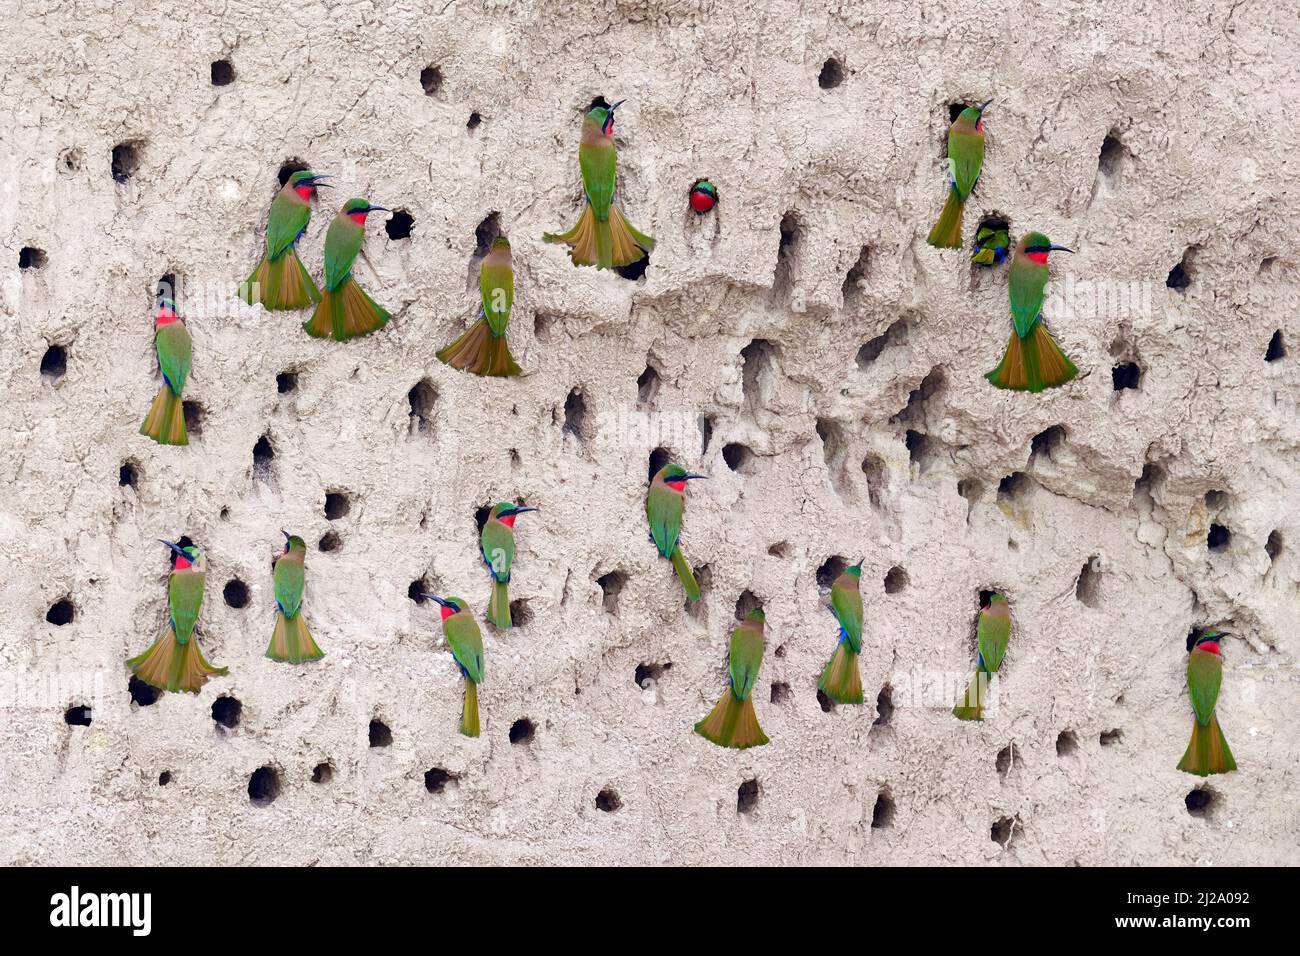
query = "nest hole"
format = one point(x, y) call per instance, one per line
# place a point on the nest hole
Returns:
point(831, 75)
point(78, 716)
point(227, 711)
point(431, 80)
point(1276, 348)
point(29, 257)
point(882, 814)
point(61, 612)
point(337, 504)
point(125, 161)
point(436, 779)
point(1067, 744)
point(222, 72)
point(422, 398)
point(399, 225)
point(1126, 375)
point(330, 541)
point(142, 694)
point(379, 733)
point(608, 801)
point(54, 363)
point(522, 731)
point(575, 414)
point(264, 786)
point(611, 587)
point(322, 773)
point(235, 593)
point(747, 797)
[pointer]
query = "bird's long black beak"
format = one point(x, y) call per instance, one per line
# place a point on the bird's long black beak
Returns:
point(521, 510)
point(286, 534)
point(175, 547)
point(378, 209)
point(985, 105)
point(316, 180)
point(691, 474)
point(859, 564)
point(617, 105)
point(1055, 248)
point(434, 597)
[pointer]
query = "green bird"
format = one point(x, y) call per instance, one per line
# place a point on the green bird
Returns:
point(1033, 361)
point(466, 642)
point(732, 722)
point(165, 422)
point(291, 641)
point(965, 160)
point(602, 236)
point(497, 545)
point(1207, 752)
point(840, 681)
point(280, 282)
point(992, 243)
point(482, 349)
point(345, 311)
point(993, 633)
point(174, 662)
point(664, 506)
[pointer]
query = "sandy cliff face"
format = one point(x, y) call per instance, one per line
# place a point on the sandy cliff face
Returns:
point(801, 344)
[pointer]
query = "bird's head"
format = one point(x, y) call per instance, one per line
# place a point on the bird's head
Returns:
point(676, 477)
point(185, 557)
point(506, 512)
point(166, 313)
point(304, 183)
point(292, 542)
point(358, 209)
point(449, 605)
point(602, 117)
point(1209, 641)
point(756, 615)
point(1037, 246)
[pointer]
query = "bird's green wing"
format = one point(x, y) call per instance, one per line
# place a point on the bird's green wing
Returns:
point(175, 349)
point(663, 509)
point(965, 159)
point(184, 598)
point(342, 243)
point(746, 656)
point(1026, 282)
point(497, 542)
point(993, 633)
point(497, 285)
point(846, 602)
point(1204, 674)
point(290, 576)
point(598, 162)
point(466, 643)
point(288, 219)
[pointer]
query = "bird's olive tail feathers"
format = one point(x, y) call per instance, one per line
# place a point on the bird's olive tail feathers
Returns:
point(1033, 363)
point(172, 666)
point(346, 313)
point(841, 681)
point(291, 641)
point(605, 245)
point(971, 704)
point(689, 584)
point(499, 605)
point(479, 351)
point(165, 422)
point(1207, 752)
point(732, 723)
point(946, 233)
point(469, 715)
point(281, 285)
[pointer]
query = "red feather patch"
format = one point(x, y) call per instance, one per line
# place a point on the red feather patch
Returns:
point(447, 612)
point(1039, 257)
point(181, 563)
point(676, 485)
point(1210, 646)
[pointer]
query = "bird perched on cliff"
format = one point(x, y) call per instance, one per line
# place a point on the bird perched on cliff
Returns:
point(664, 505)
point(840, 681)
point(280, 282)
point(1033, 361)
point(497, 545)
point(466, 643)
point(482, 349)
point(1207, 751)
point(704, 196)
point(965, 160)
point(992, 633)
point(992, 243)
point(165, 422)
point(345, 311)
point(174, 661)
point(602, 236)
point(291, 642)
point(732, 722)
